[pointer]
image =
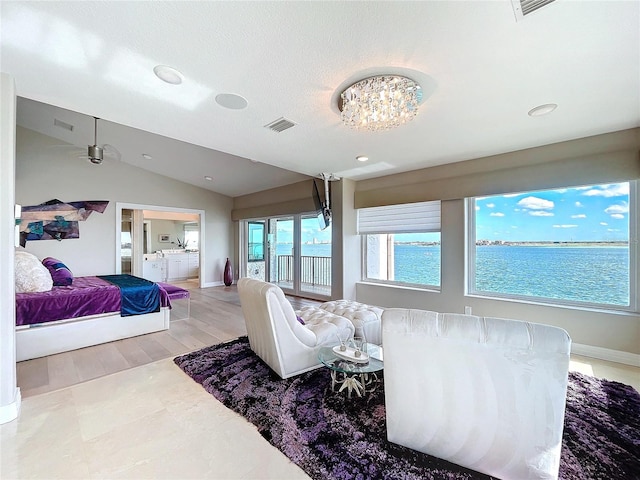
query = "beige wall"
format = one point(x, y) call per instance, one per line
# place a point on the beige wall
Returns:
point(45, 172)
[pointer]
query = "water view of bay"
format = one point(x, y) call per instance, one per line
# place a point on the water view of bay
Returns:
point(595, 274)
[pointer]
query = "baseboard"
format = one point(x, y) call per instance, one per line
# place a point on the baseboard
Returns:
point(10, 412)
point(213, 284)
point(618, 356)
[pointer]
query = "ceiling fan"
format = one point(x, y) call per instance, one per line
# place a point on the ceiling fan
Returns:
point(95, 153)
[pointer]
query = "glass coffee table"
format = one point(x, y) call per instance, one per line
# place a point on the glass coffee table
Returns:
point(358, 378)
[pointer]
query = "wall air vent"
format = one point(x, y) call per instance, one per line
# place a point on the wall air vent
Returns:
point(61, 124)
point(280, 125)
point(523, 8)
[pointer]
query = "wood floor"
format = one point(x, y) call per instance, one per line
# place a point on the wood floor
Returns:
point(215, 317)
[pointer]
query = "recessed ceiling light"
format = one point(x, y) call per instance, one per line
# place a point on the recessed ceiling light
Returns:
point(542, 109)
point(362, 158)
point(207, 177)
point(168, 74)
point(146, 156)
point(231, 100)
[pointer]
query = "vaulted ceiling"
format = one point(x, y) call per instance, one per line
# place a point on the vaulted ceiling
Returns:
point(480, 69)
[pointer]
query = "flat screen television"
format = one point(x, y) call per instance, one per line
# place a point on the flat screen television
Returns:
point(324, 213)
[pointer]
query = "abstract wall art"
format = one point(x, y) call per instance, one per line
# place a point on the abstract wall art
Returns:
point(56, 220)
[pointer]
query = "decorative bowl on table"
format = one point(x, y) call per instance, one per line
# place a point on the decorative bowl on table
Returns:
point(350, 354)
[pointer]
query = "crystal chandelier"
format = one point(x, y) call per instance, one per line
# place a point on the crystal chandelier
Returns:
point(380, 103)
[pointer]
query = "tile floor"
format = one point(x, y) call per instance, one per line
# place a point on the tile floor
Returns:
point(150, 421)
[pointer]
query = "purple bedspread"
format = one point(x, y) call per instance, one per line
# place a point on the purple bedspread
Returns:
point(86, 296)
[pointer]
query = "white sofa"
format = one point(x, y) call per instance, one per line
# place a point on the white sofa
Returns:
point(276, 335)
point(484, 393)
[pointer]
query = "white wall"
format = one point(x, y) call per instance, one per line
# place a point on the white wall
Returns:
point(45, 171)
point(614, 331)
point(9, 392)
point(172, 228)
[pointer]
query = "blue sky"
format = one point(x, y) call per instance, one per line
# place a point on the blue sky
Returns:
point(310, 230)
point(590, 213)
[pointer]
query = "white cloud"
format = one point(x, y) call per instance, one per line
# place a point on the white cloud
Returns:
point(612, 190)
point(509, 195)
point(618, 216)
point(561, 190)
point(580, 215)
point(613, 229)
point(535, 203)
point(496, 214)
point(477, 208)
point(604, 223)
point(490, 205)
point(541, 213)
point(578, 204)
point(514, 226)
point(621, 208)
point(565, 226)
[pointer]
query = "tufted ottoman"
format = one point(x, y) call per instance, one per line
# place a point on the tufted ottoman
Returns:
point(314, 318)
point(365, 318)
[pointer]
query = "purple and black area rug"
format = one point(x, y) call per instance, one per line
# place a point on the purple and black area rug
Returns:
point(332, 437)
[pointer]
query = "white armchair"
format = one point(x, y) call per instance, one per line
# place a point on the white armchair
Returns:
point(484, 393)
point(276, 335)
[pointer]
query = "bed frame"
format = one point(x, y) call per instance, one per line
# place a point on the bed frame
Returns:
point(40, 340)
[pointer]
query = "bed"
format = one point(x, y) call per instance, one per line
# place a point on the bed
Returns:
point(90, 311)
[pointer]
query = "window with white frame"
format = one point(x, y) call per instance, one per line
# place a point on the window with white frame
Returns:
point(402, 243)
point(191, 235)
point(573, 246)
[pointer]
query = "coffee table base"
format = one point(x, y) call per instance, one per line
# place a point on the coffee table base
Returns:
point(353, 382)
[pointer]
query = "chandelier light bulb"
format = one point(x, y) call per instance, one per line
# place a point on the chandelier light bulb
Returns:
point(380, 103)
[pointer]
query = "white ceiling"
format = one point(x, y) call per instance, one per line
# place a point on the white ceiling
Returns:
point(481, 72)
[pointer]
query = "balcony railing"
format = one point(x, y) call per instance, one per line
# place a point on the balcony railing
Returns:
point(314, 271)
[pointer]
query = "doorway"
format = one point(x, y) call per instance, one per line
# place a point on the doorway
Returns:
point(160, 243)
point(293, 252)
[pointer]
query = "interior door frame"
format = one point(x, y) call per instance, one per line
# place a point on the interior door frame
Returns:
point(136, 260)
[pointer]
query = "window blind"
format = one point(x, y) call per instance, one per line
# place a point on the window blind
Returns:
point(191, 227)
point(404, 218)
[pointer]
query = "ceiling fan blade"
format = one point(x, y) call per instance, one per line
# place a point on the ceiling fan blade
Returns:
point(111, 152)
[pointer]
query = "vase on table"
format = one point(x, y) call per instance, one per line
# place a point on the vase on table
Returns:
point(228, 273)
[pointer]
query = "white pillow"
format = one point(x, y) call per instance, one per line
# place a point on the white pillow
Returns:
point(31, 274)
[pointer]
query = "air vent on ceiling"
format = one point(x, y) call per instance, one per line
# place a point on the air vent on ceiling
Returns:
point(61, 124)
point(280, 125)
point(524, 7)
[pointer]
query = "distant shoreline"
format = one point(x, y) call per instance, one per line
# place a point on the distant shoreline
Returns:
point(550, 244)
point(504, 243)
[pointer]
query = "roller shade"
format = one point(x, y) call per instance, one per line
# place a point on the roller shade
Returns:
point(404, 218)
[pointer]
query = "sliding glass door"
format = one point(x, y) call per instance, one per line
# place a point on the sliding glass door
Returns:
point(315, 257)
point(282, 253)
point(291, 252)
